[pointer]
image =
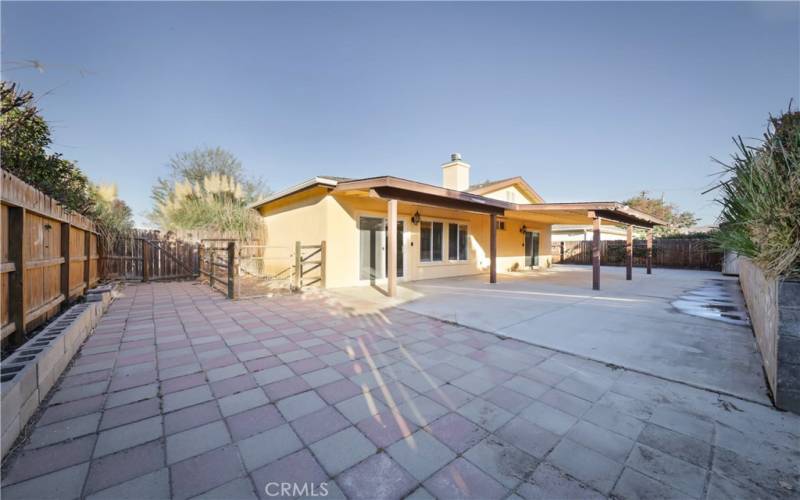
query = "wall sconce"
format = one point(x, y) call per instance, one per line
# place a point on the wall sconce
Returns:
point(416, 218)
point(523, 229)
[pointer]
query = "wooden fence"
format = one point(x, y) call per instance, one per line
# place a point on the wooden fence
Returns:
point(147, 255)
point(689, 253)
point(48, 257)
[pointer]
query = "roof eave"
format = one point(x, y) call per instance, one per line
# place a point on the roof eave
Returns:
point(307, 184)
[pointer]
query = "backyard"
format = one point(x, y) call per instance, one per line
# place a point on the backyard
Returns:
point(181, 393)
point(242, 257)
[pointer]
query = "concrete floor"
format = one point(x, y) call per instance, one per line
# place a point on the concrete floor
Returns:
point(632, 324)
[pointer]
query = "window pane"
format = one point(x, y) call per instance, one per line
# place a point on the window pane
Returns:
point(463, 253)
point(438, 237)
point(425, 241)
point(452, 241)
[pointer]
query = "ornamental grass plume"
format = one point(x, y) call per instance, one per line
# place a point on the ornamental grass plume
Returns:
point(760, 200)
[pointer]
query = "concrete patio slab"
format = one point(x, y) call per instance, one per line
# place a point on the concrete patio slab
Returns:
point(548, 424)
point(632, 324)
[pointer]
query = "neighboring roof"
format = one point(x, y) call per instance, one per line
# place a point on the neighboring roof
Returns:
point(492, 186)
point(586, 227)
point(419, 192)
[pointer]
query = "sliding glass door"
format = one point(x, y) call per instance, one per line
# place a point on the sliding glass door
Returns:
point(373, 242)
point(531, 248)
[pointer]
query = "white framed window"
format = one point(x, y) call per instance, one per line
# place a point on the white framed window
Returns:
point(431, 241)
point(457, 242)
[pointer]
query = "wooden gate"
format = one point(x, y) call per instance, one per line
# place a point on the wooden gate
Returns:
point(146, 255)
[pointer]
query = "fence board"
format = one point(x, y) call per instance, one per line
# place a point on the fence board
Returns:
point(31, 256)
point(165, 258)
point(688, 253)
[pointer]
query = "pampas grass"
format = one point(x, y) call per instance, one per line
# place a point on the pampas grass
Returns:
point(760, 199)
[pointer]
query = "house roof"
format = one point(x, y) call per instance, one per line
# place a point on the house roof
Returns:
point(428, 194)
point(307, 184)
point(492, 186)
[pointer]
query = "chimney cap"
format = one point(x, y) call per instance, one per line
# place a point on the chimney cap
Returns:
point(455, 156)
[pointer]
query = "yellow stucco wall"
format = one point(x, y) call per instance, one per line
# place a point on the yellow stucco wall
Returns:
point(512, 194)
point(313, 216)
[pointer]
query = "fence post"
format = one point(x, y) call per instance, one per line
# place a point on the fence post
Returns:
point(323, 249)
point(199, 267)
point(232, 271)
point(298, 265)
point(65, 279)
point(87, 264)
point(596, 253)
point(16, 253)
point(211, 267)
point(145, 261)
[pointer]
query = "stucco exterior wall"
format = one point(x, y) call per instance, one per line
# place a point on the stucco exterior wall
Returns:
point(298, 218)
point(510, 193)
point(315, 216)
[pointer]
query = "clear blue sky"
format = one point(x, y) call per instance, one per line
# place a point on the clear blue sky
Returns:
point(586, 101)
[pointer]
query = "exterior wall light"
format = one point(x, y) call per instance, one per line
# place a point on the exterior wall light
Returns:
point(416, 218)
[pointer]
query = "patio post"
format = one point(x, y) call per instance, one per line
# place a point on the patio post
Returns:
point(391, 263)
point(629, 254)
point(650, 250)
point(596, 253)
point(493, 248)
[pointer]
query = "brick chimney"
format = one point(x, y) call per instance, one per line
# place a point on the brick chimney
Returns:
point(455, 173)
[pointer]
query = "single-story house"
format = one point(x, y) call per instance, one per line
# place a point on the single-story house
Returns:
point(384, 229)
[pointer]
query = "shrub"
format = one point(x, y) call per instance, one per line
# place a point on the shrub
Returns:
point(24, 139)
point(760, 199)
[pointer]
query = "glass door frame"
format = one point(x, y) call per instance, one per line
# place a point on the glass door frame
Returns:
point(535, 256)
point(402, 238)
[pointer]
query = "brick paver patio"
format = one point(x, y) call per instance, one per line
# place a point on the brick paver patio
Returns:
point(180, 393)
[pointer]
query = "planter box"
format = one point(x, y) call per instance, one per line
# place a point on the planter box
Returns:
point(33, 369)
point(774, 307)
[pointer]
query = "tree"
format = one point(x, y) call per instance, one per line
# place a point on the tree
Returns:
point(658, 207)
point(206, 194)
point(112, 216)
point(24, 137)
point(23, 147)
